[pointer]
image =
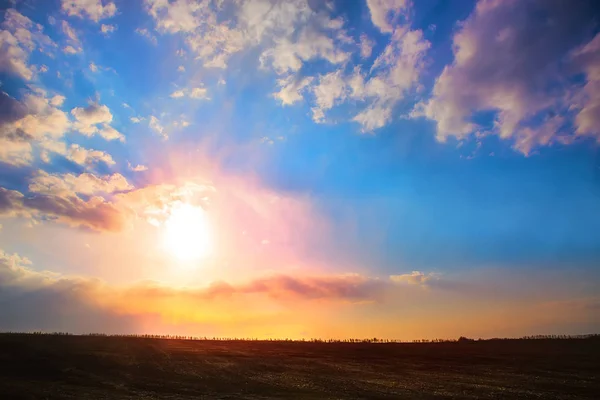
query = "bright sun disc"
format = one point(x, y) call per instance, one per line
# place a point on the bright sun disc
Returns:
point(187, 233)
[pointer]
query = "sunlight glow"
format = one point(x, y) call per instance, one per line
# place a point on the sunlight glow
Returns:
point(187, 233)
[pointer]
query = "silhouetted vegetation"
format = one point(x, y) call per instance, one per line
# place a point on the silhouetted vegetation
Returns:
point(461, 339)
point(97, 366)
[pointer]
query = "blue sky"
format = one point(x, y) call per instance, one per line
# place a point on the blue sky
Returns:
point(445, 143)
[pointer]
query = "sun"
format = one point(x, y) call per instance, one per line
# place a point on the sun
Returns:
point(187, 234)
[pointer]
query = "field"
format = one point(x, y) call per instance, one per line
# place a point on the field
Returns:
point(81, 367)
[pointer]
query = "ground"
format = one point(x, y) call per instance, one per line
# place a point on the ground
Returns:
point(82, 367)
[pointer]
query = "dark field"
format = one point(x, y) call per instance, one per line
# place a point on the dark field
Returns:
point(76, 367)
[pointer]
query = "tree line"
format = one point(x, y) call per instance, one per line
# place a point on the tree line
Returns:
point(461, 339)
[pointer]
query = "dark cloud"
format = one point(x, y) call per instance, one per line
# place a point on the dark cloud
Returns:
point(512, 57)
point(31, 301)
point(95, 213)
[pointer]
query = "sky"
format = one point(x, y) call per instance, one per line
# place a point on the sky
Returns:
point(300, 168)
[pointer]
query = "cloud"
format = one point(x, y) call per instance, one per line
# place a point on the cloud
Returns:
point(155, 125)
point(291, 89)
point(107, 29)
point(394, 74)
point(289, 55)
point(414, 278)
point(19, 37)
point(214, 34)
point(502, 64)
point(55, 302)
point(71, 50)
point(68, 185)
point(136, 120)
point(587, 59)
point(366, 46)
point(385, 13)
point(92, 9)
point(93, 67)
point(29, 122)
point(94, 213)
point(146, 33)
point(199, 93)
point(70, 32)
point(88, 118)
point(44, 301)
point(83, 156)
point(17, 153)
point(137, 168)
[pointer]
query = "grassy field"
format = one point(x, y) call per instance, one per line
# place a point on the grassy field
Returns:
point(78, 367)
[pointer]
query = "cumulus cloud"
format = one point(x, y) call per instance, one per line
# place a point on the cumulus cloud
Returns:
point(385, 13)
point(506, 57)
point(19, 37)
point(34, 120)
point(92, 9)
point(394, 74)
point(87, 157)
point(88, 118)
point(291, 89)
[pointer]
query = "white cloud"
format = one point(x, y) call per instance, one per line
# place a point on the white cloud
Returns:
point(110, 133)
point(92, 9)
point(289, 55)
point(19, 37)
point(107, 29)
point(199, 93)
point(137, 168)
point(70, 32)
point(17, 153)
point(35, 117)
point(291, 89)
point(71, 50)
point(214, 34)
point(374, 117)
point(331, 89)
point(395, 72)
point(146, 33)
point(88, 118)
point(366, 46)
point(93, 67)
point(69, 185)
point(136, 120)
point(57, 100)
point(181, 68)
point(193, 93)
point(86, 157)
point(155, 125)
point(385, 13)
